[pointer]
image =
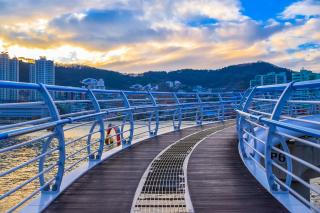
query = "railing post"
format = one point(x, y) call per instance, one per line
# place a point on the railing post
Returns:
point(236, 98)
point(156, 114)
point(272, 140)
point(199, 117)
point(241, 95)
point(241, 103)
point(131, 120)
point(244, 98)
point(177, 113)
point(59, 134)
point(246, 104)
point(221, 106)
point(99, 121)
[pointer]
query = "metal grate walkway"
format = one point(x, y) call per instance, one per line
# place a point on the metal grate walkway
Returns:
point(163, 186)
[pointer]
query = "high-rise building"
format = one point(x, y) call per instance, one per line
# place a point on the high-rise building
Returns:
point(269, 78)
point(4, 66)
point(9, 71)
point(14, 76)
point(304, 75)
point(14, 70)
point(42, 71)
point(32, 73)
point(4, 74)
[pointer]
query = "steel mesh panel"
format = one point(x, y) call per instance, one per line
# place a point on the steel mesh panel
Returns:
point(164, 187)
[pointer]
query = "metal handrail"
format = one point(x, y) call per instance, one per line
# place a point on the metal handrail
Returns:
point(288, 129)
point(97, 111)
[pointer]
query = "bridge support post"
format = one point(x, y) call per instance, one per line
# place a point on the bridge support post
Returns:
point(200, 112)
point(129, 114)
point(100, 122)
point(241, 122)
point(155, 114)
point(177, 114)
point(221, 106)
point(59, 135)
point(273, 139)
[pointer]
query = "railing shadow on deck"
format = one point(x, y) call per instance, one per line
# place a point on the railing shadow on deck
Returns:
point(51, 135)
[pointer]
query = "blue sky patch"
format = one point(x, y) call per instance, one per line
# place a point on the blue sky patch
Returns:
point(201, 21)
point(309, 46)
point(262, 10)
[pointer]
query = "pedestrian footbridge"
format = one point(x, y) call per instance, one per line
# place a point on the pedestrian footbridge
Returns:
point(67, 149)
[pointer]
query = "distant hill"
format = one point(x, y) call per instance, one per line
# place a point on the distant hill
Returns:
point(231, 77)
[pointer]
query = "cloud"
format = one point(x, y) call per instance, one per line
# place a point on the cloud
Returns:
point(106, 28)
point(296, 35)
point(227, 10)
point(305, 8)
point(136, 36)
point(247, 31)
point(19, 10)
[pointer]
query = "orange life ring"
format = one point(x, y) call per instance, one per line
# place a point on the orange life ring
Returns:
point(110, 138)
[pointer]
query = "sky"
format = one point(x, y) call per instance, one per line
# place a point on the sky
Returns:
point(134, 36)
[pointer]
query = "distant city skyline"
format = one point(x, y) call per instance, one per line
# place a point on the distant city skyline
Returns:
point(39, 70)
point(9, 71)
point(135, 36)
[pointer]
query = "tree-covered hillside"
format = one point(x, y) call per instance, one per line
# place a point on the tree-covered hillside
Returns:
point(231, 77)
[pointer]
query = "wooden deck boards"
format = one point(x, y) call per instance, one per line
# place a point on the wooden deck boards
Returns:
point(217, 179)
point(219, 182)
point(111, 186)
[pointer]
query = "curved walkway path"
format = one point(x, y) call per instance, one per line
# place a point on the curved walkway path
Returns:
point(217, 179)
point(219, 182)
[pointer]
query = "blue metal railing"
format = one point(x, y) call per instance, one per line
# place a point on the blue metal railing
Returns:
point(50, 135)
point(279, 132)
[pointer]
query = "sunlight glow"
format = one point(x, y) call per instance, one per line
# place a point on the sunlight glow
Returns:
point(135, 38)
